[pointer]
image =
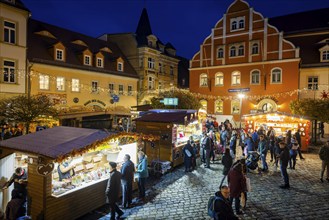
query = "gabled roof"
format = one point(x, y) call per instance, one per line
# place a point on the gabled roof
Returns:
point(55, 142)
point(302, 21)
point(39, 49)
point(17, 4)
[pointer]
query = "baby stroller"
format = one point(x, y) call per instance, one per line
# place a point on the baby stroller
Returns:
point(252, 160)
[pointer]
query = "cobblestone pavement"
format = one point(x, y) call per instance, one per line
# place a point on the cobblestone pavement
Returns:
point(180, 195)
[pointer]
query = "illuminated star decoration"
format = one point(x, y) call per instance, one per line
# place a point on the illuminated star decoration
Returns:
point(324, 94)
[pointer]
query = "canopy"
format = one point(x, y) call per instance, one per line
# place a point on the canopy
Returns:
point(55, 142)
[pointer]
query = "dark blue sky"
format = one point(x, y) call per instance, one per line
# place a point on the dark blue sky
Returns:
point(183, 23)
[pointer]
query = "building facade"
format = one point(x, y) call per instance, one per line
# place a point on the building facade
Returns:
point(89, 79)
point(245, 65)
point(13, 26)
point(155, 62)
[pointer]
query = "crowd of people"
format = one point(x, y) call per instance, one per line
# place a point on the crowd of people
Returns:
point(224, 139)
point(8, 131)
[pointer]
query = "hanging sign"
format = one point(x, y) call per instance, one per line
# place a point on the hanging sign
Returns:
point(239, 90)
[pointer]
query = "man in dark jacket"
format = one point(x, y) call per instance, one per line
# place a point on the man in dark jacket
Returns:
point(299, 140)
point(127, 177)
point(15, 207)
point(113, 190)
point(324, 156)
point(188, 155)
point(19, 178)
point(237, 184)
point(262, 149)
point(222, 206)
point(206, 146)
point(284, 159)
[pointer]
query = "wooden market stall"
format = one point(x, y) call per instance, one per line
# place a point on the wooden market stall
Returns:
point(281, 123)
point(90, 149)
point(174, 128)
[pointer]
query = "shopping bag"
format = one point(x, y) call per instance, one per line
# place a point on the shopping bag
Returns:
point(248, 184)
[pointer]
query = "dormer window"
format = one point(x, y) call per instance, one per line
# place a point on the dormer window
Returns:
point(324, 53)
point(87, 60)
point(237, 23)
point(120, 66)
point(59, 54)
point(99, 62)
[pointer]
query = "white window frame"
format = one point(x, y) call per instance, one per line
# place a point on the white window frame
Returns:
point(254, 48)
point(111, 88)
point(11, 32)
point(10, 70)
point(235, 103)
point(236, 78)
point(59, 54)
point(221, 103)
point(87, 60)
point(254, 74)
point(151, 83)
point(240, 48)
point(203, 80)
point(219, 79)
point(220, 51)
point(325, 56)
point(276, 81)
point(314, 85)
point(204, 104)
point(130, 90)
point(43, 82)
point(150, 63)
point(233, 51)
point(235, 24)
point(99, 62)
point(120, 66)
point(241, 24)
point(60, 83)
point(75, 85)
point(121, 89)
point(94, 89)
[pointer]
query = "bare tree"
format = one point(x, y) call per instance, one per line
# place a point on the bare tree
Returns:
point(26, 110)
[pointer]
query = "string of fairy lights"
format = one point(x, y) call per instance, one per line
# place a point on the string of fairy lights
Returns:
point(87, 87)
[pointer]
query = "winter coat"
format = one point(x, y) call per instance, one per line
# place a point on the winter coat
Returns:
point(227, 161)
point(127, 172)
point(206, 143)
point(324, 153)
point(284, 156)
point(142, 170)
point(233, 142)
point(189, 148)
point(113, 187)
point(236, 181)
point(262, 147)
point(298, 138)
point(250, 144)
point(223, 208)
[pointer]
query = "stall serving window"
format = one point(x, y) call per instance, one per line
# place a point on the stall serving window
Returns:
point(184, 132)
point(76, 173)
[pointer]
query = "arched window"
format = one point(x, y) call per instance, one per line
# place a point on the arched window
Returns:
point(204, 104)
point(255, 77)
point(219, 106)
point(236, 78)
point(220, 53)
point(241, 24)
point(234, 25)
point(235, 106)
point(232, 51)
point(219, 79)
point(203, 79)
point(276, 76)
point(241, 50)
point(254, 49)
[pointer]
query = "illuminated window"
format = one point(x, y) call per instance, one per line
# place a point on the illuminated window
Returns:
point(312, 83)
point(236, 78)
point(44, 82)
point(60, 83)
point(94, 86)
point(203, 80)
point(219, 79)
point(204, 104)
point(75, 85)
point(235, 107)
point(219, 106)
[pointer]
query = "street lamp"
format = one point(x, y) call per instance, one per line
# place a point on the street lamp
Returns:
point(241, 96)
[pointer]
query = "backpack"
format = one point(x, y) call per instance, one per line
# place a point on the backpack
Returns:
point(324, 153)
point(211, 205)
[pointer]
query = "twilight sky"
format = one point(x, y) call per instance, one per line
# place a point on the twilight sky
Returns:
point(183, 23)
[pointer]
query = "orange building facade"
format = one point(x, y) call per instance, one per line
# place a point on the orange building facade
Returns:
point(245, 66)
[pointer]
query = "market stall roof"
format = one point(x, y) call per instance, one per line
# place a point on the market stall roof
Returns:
point(173, 116)
point(278, 113)
point(55, 142)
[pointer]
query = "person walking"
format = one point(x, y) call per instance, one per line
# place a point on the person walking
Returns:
point(112, 191)
point(237, 183)
point(284, 159)
point(142, 174)
point(223, 136)
point(293, 153)
point(223, 206)
point(188, 155)
point(322, 129)
point(324, 156)
point(206, 146)
point(227, 161)
point(233, 141)
point(299, 140)
point(262, 149)
point(127, 177)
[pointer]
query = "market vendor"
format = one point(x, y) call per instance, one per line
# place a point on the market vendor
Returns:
point(19, 178)
point(66, 169)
